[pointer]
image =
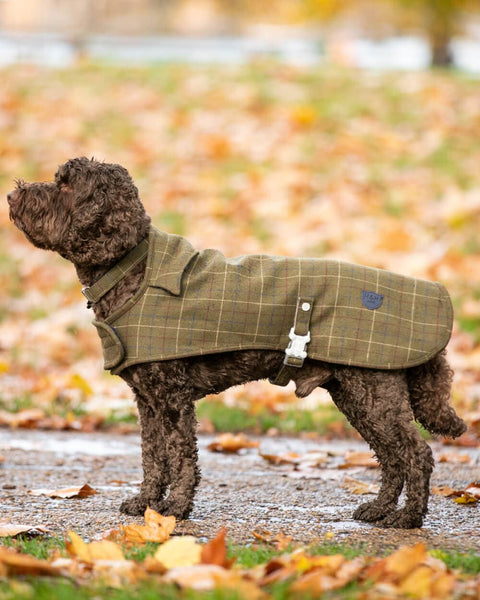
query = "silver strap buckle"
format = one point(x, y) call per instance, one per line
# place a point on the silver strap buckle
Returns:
point(296, 349)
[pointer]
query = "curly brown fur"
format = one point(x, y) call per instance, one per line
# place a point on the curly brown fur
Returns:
point(92, 216)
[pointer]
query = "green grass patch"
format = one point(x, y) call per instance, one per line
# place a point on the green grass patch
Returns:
point(235, 418)
point(247, 557)
point(468, 563)
point(40, 547)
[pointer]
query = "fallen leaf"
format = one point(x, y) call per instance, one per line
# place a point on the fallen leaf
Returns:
point(184, 551)
point(359, 459)
point(360, 487)
point(74, 492)
point(157, 528)
point(453, 457)
point(310, 459)
point(466, 498)
point(26, 418)
point(215, 551)
point(203, 577)
point(104, 550)
point(14, 563)
point(289, 458)
point(231, 443)
point(405, 559)
point(14, 529)
point(444, 490)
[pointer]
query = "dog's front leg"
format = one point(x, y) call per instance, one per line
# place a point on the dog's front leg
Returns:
point(154, 461)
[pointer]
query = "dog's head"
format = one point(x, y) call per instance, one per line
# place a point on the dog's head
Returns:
point(91, 214)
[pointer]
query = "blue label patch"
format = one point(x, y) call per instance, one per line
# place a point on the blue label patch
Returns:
point(371, 300)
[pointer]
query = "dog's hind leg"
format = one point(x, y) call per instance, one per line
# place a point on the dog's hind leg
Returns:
point(377, 404)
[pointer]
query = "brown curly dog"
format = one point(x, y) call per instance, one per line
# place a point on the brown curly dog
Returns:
point(92, 215)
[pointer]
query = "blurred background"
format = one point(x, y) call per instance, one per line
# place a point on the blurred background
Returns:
point(311, 127)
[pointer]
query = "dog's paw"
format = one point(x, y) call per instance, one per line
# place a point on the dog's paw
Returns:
point(372, 511)
point(134, 506)
point(402, 519)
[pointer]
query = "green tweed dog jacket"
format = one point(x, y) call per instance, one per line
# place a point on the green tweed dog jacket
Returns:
point(199, 302)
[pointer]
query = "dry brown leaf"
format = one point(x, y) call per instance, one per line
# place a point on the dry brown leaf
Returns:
point(14, 563)
point(445, 490)
point(360, 487)
point(83, 491)
point(231, 443)
point(215, 551)
point(14, 529)
point(453, 457)
point(157, 528)
point(289, 458)
point(359, 459)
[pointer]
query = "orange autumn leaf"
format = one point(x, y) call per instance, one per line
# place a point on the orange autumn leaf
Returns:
point(157, 528)
point(405, 559)
point(231, 443)
point(214, 552)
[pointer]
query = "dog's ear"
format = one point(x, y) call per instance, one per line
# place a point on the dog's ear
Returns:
point(68, 172)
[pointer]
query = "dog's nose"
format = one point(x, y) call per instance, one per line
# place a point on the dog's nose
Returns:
point(9, 197)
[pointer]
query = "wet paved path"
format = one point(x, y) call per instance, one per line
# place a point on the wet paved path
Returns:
point(242, 492)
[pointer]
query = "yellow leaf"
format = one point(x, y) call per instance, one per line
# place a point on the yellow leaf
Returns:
point(466, 498)
point(78, 382)
point(304, 115)
point(418, 583)
point(157, 528)
point(182, 551)
point(104, 550)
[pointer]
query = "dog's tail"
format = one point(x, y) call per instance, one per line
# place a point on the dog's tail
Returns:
point(429, 386)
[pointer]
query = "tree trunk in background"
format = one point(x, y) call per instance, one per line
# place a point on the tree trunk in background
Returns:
point(441, 20)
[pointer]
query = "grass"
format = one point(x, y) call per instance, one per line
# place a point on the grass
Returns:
point(292, 421)
point(247, 557)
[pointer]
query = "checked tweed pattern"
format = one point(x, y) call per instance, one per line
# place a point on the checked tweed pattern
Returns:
point(198, 302)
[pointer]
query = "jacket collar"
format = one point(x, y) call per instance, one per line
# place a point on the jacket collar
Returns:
point(168, 257)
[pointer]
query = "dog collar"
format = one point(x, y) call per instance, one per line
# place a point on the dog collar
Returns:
point(113, 276)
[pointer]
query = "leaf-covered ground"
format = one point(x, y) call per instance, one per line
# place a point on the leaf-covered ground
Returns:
point(375, 169)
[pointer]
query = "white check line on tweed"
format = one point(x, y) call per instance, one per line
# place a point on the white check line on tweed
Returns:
point(331, 336)
point(262, 282)
point(221, 304)
point(182, 306)
point(373, 323)
point(414, 298)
